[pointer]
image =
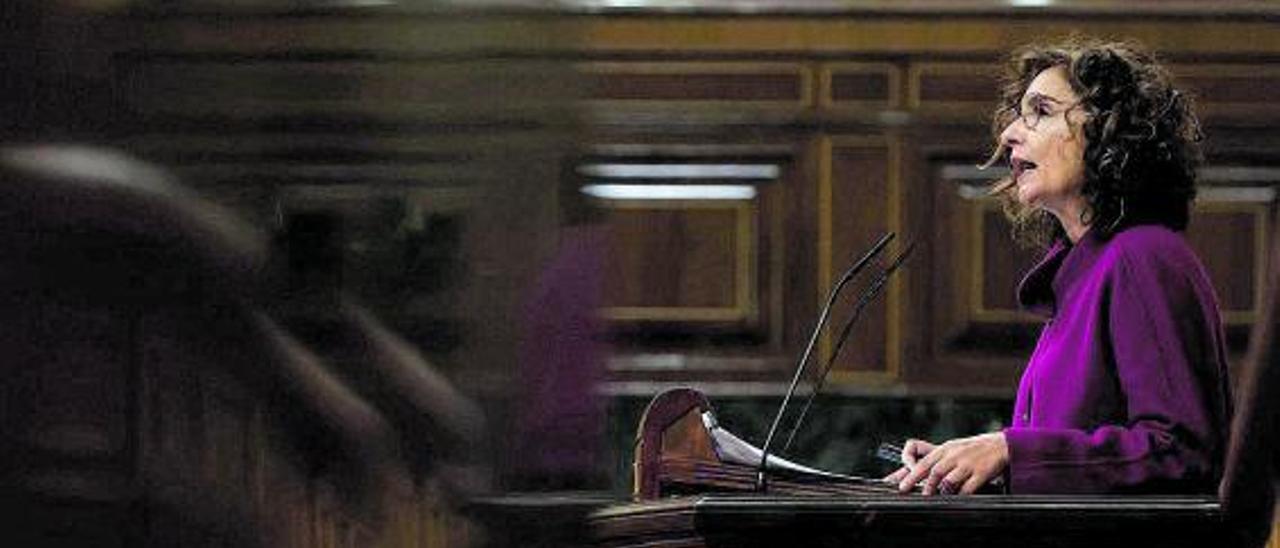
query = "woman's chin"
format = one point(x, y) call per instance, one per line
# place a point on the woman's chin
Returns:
point(1025, 197)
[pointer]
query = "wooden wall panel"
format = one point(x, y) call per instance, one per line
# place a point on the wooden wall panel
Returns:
point(193, 86)
point(977, 268)
point(1240, 90)
point(976, 334)
point(653, 81)
point(688, 261)
point(1231, 240)
point(930, 34)
point(860, 85)
point(858, 201)
point(710, 85)
point(998, 266)
point(953, 85)
point(262, 30)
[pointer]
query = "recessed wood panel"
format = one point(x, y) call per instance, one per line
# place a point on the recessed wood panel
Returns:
point(1231, 241)
point(732, 83)
point(859, 196)
point(979, 331)
point(682, 261)
point(1231, 88)
point(695, 87)
point(861, 85)
point(190, 87)
point(1001, 263)
point(950, 84)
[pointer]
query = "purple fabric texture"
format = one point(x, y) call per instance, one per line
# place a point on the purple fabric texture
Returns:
point(1127, 390)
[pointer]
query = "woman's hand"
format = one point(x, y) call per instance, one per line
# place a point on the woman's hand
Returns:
point(958, 466)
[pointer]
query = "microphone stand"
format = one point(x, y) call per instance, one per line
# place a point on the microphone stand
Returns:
point(868, 295)
point(761, 480)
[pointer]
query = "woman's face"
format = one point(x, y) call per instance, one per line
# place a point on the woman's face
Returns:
point(1046, 146)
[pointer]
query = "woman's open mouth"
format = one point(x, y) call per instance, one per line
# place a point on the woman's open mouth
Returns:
point(1018, 166)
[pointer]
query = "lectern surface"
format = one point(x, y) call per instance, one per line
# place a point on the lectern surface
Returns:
point(946, 522)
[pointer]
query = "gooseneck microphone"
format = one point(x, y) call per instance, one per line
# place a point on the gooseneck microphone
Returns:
point(761, 480)
point(868, 295)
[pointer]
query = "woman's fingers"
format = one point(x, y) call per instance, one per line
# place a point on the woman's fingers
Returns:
point(913, 449)
point(921, 468)
point(975, 482)
point(909, 452)
point(896, 476)
point(908, 481)
point(938, 473)
point(955, 482)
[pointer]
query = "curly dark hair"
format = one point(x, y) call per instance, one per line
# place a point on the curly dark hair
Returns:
point(1142, 138)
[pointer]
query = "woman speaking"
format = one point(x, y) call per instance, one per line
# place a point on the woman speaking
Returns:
point(1127, 389)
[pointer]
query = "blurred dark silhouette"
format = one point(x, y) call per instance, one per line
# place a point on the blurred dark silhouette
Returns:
point(153, 395)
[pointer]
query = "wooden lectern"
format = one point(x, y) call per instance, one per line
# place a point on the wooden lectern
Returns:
point(688, 494)
point(681, 450)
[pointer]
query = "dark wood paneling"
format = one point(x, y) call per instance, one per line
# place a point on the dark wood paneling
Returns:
point(861, 210)
point(976, 336)
point(948, 84)
point(709, 290)
point(993, 34)
point(267, 88)
point(696, 87)
point(860, 87)
point(1001, 265)
point(1228, 242)
point(339, 99)
point(866, 85)
point(682, 262)
point(1231, 85)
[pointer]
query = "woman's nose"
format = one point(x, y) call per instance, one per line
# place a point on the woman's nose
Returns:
point(1012, 133)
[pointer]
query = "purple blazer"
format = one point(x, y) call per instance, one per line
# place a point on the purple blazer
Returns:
point(1127, 390)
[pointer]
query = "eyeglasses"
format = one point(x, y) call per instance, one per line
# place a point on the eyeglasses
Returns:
point(1040, 110)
